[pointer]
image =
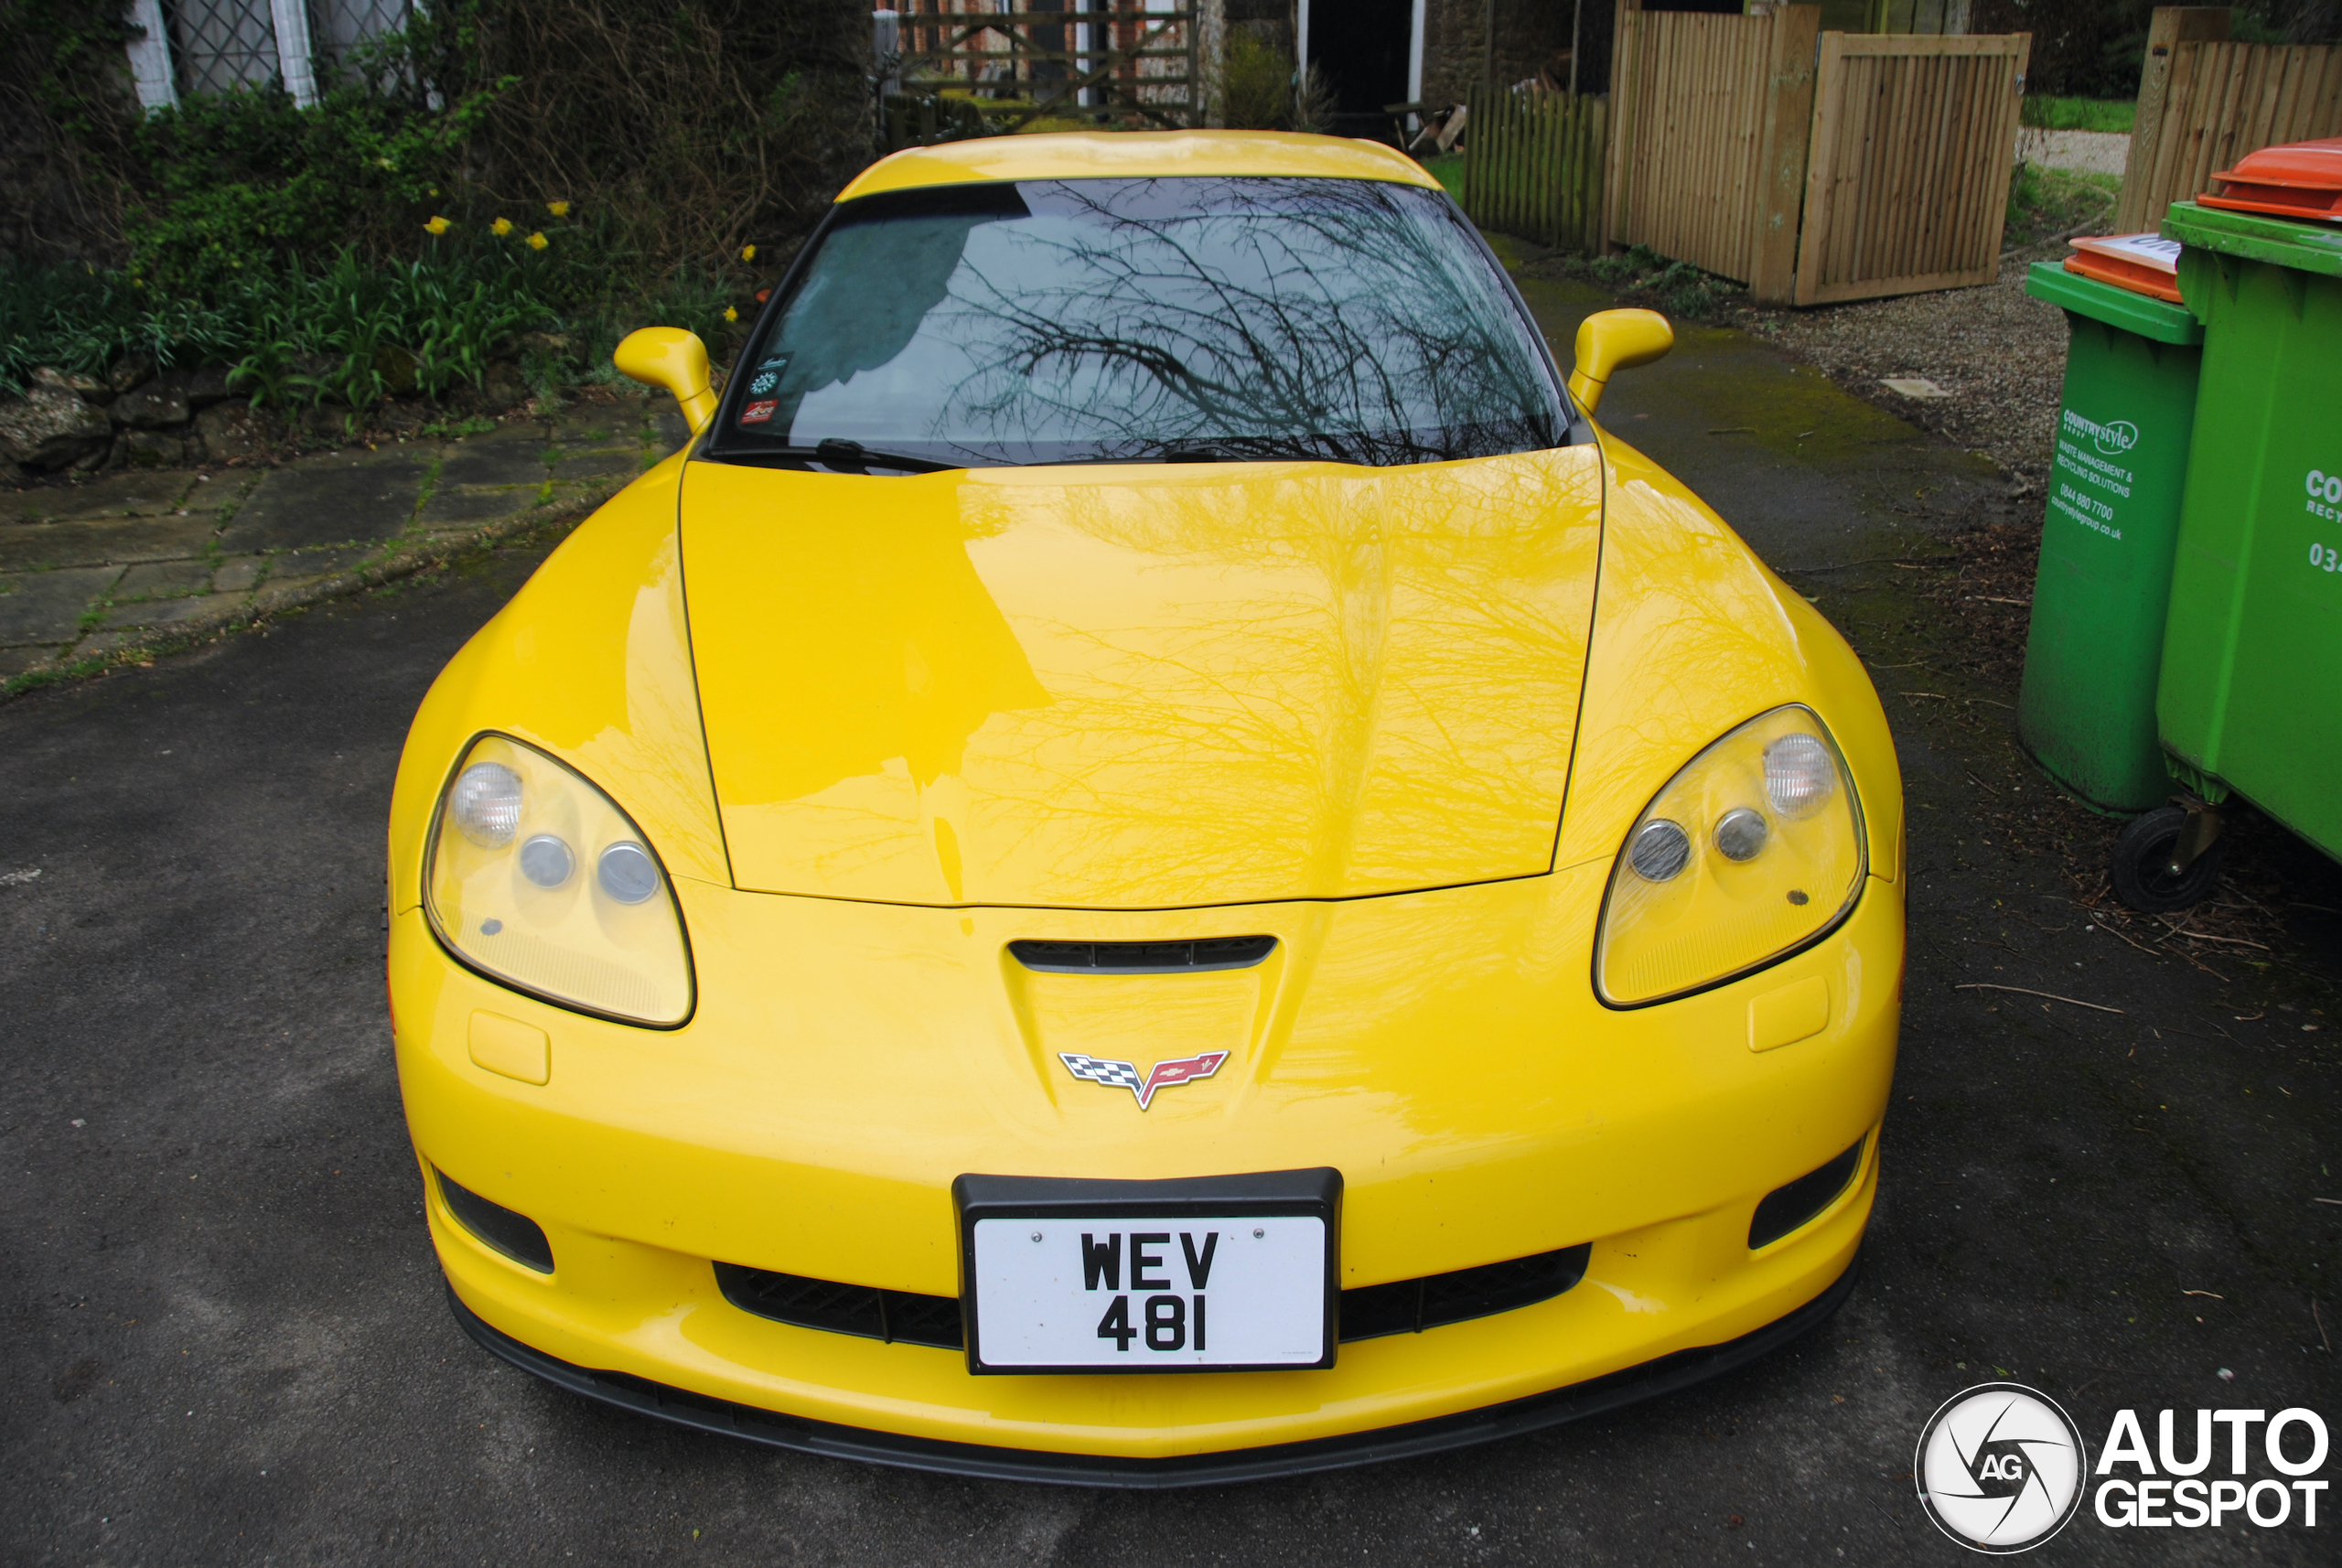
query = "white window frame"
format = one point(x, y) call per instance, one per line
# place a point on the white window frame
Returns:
point(150, 57)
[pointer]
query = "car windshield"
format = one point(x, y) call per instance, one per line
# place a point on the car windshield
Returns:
point(1116, 320)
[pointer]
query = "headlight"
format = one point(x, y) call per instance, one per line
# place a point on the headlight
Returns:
point(538, 880)
point(1752, 851)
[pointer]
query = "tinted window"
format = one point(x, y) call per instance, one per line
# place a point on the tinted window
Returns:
point(1104, 320)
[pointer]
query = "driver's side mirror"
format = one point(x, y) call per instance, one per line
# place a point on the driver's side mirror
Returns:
point(1609, 341)
point(671, 357)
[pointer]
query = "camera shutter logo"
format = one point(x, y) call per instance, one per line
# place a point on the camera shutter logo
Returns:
point(2000, 1468)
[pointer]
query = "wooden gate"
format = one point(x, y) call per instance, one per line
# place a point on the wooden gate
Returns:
point(1532, 165)
point(1710, 116)
point(1908, 186)
point(2204, 102)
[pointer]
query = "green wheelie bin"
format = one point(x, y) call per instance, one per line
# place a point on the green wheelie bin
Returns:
point(2250, 694)
point(2086, 711)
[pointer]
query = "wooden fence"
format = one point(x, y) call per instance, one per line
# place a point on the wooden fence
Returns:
point(1711, 116)
point(2204, 102)
point(1137, 62)
point(1914, 139)
point(1532, 165)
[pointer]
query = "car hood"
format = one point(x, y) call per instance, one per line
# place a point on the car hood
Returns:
point(1137, 687)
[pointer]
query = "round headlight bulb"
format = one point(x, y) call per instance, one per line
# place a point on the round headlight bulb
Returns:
point(546, 861)
point(1799, 775)
point(628, 873)
point(1741, 834)
point(486, 804)
point(1661, 850)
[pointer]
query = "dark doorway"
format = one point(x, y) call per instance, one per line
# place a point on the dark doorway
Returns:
point(1360, 47)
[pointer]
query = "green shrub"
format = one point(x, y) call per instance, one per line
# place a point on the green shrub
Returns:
point(249, 179)
point(353, 332)
point(1640, 275)
point(1255, 87)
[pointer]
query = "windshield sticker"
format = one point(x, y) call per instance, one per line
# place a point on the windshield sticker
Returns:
point(760, 413)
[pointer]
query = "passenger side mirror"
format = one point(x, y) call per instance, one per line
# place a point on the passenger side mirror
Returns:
point(671, 357)
point(1609, 341)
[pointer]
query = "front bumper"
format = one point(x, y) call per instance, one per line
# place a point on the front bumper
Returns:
point(1442, 1050)
point(1534, 1413)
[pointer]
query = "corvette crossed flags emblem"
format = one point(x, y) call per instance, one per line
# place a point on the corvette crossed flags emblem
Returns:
point(1125, 1075)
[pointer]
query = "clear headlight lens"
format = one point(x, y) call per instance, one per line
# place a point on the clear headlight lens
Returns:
point(502, 888)
point(1751, 851)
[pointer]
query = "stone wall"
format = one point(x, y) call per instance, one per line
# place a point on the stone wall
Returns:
point(1532, 36)
point(135, 416)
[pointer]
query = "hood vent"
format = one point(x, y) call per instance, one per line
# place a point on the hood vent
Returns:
point(1143, 958)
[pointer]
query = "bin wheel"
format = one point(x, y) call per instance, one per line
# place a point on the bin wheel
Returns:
point(2143, 877)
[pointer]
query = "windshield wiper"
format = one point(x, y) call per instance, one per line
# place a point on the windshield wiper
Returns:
point(850, 458)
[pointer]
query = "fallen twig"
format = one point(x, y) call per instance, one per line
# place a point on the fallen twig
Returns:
point(2112, 931)
point(2208, 936)
point(1980, 985)
point(2205, 1292)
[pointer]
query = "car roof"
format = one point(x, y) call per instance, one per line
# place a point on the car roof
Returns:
point(1137, 154)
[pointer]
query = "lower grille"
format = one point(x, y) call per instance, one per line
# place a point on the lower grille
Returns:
point(1410, 1306)
point(1405, 1306)
point(512, 1233)
point(889, 1314)
point(1786, 1207)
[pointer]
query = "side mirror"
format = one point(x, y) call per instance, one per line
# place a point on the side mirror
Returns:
point(1609, 341)
point(671, 357)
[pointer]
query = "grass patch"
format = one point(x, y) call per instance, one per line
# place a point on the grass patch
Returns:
point(1449, 169)
point(2049, 113)
point(2045, 202)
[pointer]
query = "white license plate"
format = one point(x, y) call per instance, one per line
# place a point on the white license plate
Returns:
point(1153, 1294)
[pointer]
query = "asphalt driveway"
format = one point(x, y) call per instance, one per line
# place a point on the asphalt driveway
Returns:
point(226, 1339)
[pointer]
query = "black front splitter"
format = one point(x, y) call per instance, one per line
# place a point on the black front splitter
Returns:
point(1509, 1419)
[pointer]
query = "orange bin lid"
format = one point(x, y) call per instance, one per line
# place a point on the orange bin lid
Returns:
point(2144, 263)
point(2299, 179)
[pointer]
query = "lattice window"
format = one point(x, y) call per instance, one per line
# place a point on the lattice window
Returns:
point(338, 27)
point(222, 45)
point(218, 46)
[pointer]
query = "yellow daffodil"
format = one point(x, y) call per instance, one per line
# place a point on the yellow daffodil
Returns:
point(748, 253)
point(558, 208)
point(438, 225)
point(537, 241)
point(730, 313)
point(502, 227)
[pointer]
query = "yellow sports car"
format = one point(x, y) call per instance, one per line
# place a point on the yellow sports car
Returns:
point(1151, 861)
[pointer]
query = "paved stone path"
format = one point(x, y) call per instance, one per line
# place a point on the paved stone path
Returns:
point(103, 569)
